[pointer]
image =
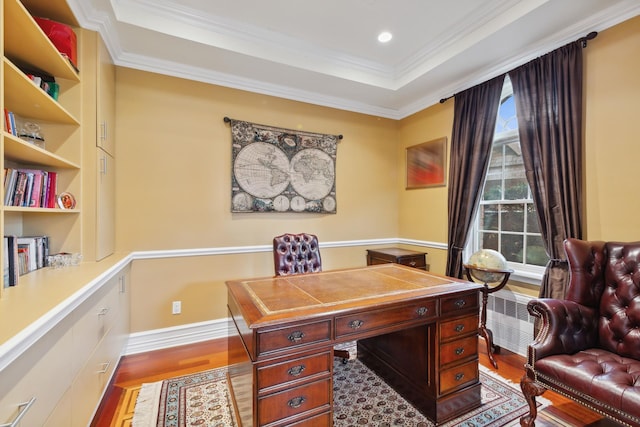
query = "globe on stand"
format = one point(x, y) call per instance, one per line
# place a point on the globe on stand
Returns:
point(490, 268)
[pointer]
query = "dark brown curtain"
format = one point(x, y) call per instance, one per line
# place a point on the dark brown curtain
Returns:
point(548, 97)
point(474, 123)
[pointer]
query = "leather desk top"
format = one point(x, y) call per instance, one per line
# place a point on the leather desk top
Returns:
point(265, 301)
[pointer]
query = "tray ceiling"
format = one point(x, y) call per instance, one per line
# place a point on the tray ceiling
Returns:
point(326, 52)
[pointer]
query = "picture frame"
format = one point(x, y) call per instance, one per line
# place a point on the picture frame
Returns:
point(66, 201)
point(426, 164)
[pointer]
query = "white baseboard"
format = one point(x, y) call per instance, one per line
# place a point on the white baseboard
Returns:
point(158, 339)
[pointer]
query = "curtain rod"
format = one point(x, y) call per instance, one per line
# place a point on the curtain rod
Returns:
point(227, 120)
point(583, 40)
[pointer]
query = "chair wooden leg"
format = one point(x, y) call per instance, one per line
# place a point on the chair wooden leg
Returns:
point(530, 389)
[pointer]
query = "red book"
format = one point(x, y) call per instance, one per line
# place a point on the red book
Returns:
point(7, 121)
point(52, 188)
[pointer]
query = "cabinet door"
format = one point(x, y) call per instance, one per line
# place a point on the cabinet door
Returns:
point(105, 210)
point(43, 373)
point(106, 97)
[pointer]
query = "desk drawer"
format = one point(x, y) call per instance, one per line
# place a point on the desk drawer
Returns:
point(357, 323)
point(294, 401)
point(295, 336)
point(322, 420)
point(458, 376)
point(294, 370)
point(459, 350)
point(458, 328)
point(417, 261)
point(449, 306)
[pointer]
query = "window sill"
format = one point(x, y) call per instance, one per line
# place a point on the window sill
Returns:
point(527, 277)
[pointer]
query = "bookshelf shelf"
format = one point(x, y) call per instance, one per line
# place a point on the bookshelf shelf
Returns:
point(18, 150)
point(27, 49)
point(26, 99)
point(23, 209)
point(43, 345)
point(29, 46)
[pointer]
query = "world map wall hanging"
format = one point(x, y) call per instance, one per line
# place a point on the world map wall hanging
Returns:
point(282, 170)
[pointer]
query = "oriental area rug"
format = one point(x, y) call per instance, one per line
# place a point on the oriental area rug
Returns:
point(360, 398)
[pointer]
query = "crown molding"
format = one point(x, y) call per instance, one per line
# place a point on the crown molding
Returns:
point(395, 108)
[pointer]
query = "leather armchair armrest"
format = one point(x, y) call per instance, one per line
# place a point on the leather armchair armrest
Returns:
point(566, 327)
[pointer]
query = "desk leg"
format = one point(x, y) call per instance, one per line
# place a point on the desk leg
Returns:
point(483, 331)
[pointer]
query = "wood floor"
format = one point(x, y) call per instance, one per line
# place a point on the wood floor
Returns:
point(136, 369)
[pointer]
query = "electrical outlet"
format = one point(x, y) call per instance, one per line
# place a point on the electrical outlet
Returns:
point(177, 307)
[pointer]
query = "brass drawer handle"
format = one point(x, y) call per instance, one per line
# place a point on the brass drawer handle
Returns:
point(356, 324)
point(459, 376)
point(459, 327)
point(296, 370)
point(22, 410)
point(460, 303)
point(296, 402)
point(459, 351)
point(412, 264)
point(422, 311)
point(296, 336)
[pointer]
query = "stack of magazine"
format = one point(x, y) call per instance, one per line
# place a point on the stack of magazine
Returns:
point(23, 254)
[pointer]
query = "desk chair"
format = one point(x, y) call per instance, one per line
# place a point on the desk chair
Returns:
point(299, 254)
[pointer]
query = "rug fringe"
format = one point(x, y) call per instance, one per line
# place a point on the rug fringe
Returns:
point(146, 409)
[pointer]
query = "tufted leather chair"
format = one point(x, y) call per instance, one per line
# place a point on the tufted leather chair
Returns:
point(588, 346)
point(296, 254)
point(299, 254)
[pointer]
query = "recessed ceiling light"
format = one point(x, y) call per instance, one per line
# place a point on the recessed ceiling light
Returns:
point(384, 37)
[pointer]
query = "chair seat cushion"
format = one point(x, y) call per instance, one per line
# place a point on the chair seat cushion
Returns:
point(595, 375)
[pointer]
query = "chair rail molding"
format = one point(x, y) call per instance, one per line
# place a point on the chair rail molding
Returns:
point(175, 253)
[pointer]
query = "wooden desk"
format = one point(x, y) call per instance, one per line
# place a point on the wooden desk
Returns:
point(399, 256)
point(416, 329)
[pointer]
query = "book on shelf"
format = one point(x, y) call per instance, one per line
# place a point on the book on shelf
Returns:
point(52, 190)
point(5, 263)
point(44, 81)
point(10, 122)
point(23, 254)
point(30, 188)
point(10, 177)
point(11, 257)
point(27, 253)
point(18, 192)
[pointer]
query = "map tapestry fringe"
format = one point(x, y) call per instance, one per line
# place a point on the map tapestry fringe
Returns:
point(282, 170)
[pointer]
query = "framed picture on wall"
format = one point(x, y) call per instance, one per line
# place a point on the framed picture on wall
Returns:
point(426, 164)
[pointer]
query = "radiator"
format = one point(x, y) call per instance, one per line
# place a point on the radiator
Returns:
point(509, 320)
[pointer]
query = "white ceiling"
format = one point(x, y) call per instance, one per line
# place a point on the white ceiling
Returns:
point(326, 52)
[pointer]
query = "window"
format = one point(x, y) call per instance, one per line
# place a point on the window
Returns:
point(507, 220)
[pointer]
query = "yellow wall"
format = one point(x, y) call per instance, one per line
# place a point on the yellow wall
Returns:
point(423, 211)
point(173, 169)
point(174, 175)
point(612, 135)
point(173, 189)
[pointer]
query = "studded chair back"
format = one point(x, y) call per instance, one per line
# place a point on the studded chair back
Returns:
point(296, 254)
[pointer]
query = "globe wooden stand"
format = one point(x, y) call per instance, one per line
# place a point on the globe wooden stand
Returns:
point(486, 290)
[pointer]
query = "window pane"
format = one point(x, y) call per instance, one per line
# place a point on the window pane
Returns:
point(489, 217)
point(507, 220)
point(513, 217)
point(512, 247)
point(493, 182)
point(533, 226)
point(492, 189)
point(536, 254)
point(506, 116)
point(495, 162)
point(515, 188)
point(489, 241)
